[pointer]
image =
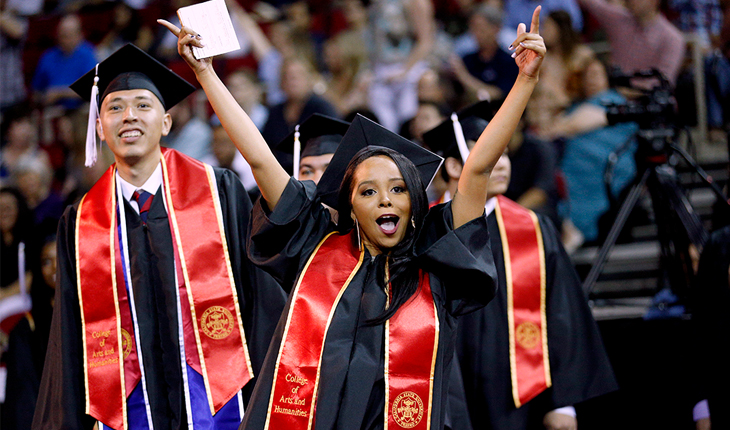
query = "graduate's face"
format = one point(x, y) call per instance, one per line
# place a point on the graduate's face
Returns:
point(381, 203)
point(499, 179)
point(48, 263)
point(132, 123)
point(311, 168)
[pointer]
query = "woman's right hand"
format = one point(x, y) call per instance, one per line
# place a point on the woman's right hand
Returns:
point(186, 39)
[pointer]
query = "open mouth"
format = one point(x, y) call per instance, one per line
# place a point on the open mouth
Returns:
point(388, 223)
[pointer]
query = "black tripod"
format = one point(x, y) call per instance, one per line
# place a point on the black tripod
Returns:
point(678, 225)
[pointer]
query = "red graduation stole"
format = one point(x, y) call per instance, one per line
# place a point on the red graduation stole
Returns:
point(197, 226)
point(411, 343)
point(524, 267)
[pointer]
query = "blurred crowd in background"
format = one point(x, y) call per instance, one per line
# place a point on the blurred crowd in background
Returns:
point(407, 64)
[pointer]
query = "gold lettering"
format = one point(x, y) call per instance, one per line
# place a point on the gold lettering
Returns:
point(296, 379)
point(292, 401)
point(104, 362)
point(295, 412)
point(100, 334)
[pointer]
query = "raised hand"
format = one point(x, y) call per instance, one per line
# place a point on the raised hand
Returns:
point(529, 47)
point(186, 39)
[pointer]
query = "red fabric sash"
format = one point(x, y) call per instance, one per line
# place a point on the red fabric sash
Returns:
point(524, 258)
point(328, 272)
point(192, 203)
point(411, 341)
point(196, 219)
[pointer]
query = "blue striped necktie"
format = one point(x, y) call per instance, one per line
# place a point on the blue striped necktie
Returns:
point(144, 201)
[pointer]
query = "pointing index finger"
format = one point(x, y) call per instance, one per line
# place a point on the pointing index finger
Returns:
point(170, 26)
point(535, 25)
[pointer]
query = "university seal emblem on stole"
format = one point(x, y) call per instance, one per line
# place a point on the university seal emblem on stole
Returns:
point(126, 343)
point(528, 335)
point(407, 409)
point(217, 322)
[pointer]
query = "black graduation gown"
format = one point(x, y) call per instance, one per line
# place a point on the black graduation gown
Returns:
point(712, 324)
point(579, 365)
point(61, 401)
point(351, 389)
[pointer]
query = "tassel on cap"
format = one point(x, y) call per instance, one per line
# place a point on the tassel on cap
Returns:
point(297, 152)
point(460, 140)
point(91, 150)
point(317, 135)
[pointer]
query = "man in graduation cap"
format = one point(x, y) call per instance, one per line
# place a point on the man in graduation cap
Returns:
point(312, 145)
point(534, 351)
point(161, 320)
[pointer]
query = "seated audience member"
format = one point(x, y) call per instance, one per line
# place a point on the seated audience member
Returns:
point(245, 88)
point(402, 33)
point(228, 157)
point(34, 178)
point(514, 10)
point(589, 142)
point(189, 134)
point(297, 82)
point(269, 51)
point(62, 64)
point(565, 59)
point(347, 77)
point(126, 27)
point(27, 344)
point(489, 72)
point(13, 31)
point(717, 75)
point(19, 142)
point(434, 86)
point(640, 36)
point(534, 162)
point(16, 224)
point(428, 116)
point(544, 315)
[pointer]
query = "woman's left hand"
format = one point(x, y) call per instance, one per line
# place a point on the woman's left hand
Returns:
point(530, 48)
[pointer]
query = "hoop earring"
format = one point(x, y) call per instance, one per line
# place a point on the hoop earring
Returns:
point(357, 228)
point(413, 222)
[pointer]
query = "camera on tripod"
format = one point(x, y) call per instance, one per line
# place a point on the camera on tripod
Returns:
point(650, 104)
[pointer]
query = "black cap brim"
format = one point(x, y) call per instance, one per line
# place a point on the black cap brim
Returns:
point(316, 125)
point(473, 119)
point(362, 133)
point(130, 59)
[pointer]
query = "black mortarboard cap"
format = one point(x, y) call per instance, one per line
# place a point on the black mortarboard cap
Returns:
point(364, 132)
point(130, 68)
point(319, 134)
point(473, 120)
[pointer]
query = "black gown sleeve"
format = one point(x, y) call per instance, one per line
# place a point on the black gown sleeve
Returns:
point(260, 297)
point(280, 239)
point(461, 259)
point(61, 400)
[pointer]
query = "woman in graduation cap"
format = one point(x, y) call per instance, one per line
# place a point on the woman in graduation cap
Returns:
point(367, 337)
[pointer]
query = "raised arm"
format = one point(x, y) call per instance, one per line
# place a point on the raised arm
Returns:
point(471, 195)
point(270, 176)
